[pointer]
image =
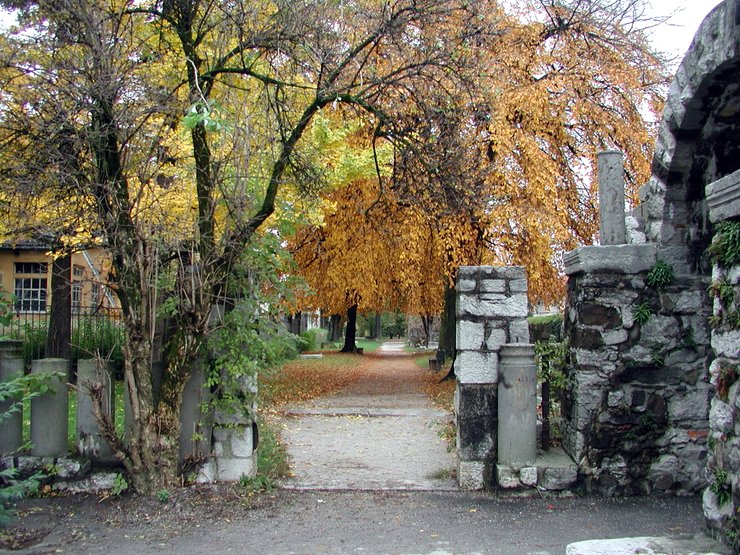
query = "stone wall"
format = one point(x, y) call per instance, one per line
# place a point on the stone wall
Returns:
point(491, 312)
point(721, 499)
point(636, 407)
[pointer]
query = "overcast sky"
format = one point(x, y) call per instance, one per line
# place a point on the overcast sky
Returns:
point(675, 37)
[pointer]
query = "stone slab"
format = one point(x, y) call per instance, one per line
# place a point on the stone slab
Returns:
point(620, 259)
point(685, 545)
point(723, 198)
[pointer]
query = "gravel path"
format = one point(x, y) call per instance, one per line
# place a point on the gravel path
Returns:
point(380, 433)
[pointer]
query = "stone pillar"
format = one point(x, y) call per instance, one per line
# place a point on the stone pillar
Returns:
point(491, 311)
point(11, 366)
point(723, 461)
point(195, 428)
point(90, 443)
point(49, 412)
point(517, 405)
point(612, 230)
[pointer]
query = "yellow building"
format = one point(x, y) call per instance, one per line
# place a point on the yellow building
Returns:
point(25, 272)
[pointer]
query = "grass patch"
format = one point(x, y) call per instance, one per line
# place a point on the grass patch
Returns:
point(368, 345)
point(272, 461)
point(443, 474)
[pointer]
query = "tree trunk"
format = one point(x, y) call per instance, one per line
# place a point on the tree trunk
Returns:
point(349, 337)
point(426, 323)
point(378, 326)
point(335, 329)
point(60, 317)
point(447, 344)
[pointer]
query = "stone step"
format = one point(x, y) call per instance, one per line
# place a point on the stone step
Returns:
point(553, 470)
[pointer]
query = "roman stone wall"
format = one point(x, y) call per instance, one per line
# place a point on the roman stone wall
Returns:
point(636, 406)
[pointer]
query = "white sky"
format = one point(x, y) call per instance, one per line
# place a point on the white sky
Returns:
point(675, 36)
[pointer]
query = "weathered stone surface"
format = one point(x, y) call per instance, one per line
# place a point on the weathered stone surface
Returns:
point(507, 477)
point(518, 286)
point(635, 235)
point(97, 482)
point(476, 438)
point(612, 230)
point(466, 285)
point(661, 330)
point(508, 273)
point(713, 512)
point(615, 337)
point(492, 305)
point(241, 442)
point(726, 344)
point(689, 302)
point(596, 314)
point(67, 469)
point(11, 429)
point(493, 286)
point(470, 335)
point(231, 469)
point(496, 338)
point(207, 473)
point(621, 259)
point(471, 475)
point(475, 400)
point(476, 367)
point(721, 416)
point(723, 198)
point(49, 411)
point(556, 479)
point(528, 476)
point(694, 405)
point(663, 472)
point(519, 331)
point(30, 465)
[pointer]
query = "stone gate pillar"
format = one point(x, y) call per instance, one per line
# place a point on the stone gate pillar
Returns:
point(491, 312)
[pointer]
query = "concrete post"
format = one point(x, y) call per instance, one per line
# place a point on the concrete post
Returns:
point(90, 443)
point(612, 230)
point(11, 366)
point(517, 405)
point(49, 411)
point(195, 429)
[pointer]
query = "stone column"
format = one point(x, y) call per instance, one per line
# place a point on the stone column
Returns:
point(11, 366)
point(90, 443)
point(491, 311)
point(612, 230)
point(517, 405)
point(49, 412)
point(195, 427)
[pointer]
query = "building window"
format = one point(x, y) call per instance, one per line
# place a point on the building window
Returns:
point(76, 296)
point(95, 295)
point(30, 292)
point(31, 268)
point(78, 271)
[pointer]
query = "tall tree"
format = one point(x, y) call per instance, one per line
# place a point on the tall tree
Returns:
point(105, 83)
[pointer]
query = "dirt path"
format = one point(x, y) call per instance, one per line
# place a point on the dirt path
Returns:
point(380, 433)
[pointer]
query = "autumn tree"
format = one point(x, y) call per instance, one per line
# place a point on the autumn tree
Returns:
point(507, 175)
point(179, 124)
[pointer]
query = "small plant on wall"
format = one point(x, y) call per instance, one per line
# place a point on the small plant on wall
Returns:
point(660, 275)
point(725, 253)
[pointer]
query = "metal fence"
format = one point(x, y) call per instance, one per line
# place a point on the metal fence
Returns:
point(95, 331)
